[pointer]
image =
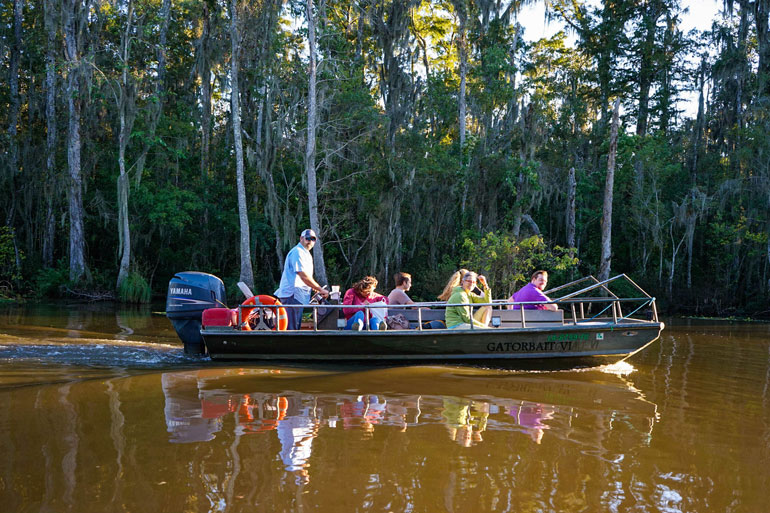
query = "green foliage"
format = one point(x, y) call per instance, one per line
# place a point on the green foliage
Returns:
point(51, 282)
point(134, 289)
point(534, 109)
point(508, 262)
point(170, 207)
point(9, 270)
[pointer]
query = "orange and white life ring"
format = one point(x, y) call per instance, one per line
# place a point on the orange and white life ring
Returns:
point(279, 311)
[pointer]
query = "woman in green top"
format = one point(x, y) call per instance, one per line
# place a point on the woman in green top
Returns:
point(460, 317)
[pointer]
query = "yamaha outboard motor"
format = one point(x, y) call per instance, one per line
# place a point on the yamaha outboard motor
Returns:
point(189, 294)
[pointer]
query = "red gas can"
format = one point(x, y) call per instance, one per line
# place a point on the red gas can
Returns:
point(218, 317)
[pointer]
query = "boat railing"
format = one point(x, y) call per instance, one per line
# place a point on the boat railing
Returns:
point(603, 286)
point(575, 302)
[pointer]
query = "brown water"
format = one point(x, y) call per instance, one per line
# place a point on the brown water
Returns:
point(101, 412)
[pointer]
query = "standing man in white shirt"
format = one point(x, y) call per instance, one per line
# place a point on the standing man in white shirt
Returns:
point(297, 281)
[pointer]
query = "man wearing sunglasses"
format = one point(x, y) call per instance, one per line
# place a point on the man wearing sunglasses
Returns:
point(297, 283)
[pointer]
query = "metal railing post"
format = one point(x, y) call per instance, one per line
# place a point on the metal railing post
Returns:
point(470, 309)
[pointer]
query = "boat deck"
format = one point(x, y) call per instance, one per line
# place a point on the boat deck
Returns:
point(585, 331)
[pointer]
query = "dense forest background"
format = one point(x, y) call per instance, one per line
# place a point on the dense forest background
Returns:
point(144, 137)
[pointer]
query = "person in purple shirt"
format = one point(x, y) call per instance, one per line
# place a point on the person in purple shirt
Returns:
point(533, 291)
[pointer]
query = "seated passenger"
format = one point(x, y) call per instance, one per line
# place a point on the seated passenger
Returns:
point(460, 317)
point(453, 282)
point(533, 291)
point(362, 293)
point(398, 297)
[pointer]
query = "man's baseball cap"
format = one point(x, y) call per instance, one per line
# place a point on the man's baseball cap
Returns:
point(308, 234)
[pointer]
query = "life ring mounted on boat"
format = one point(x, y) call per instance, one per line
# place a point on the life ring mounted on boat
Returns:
point(281, 317)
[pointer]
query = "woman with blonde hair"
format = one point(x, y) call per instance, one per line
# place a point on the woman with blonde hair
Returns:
point(453, 282)
point(461, 317)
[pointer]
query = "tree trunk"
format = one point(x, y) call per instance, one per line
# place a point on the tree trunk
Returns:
point(426, 64)
point(517, 206)
point(312, 121)
point(156, 107)
point(463, 55)
point(571, 194)
point(690, 234)
point(13, 79)
point(607, 32)
point(674, 252)
point(264, 148)
point(762, 12)
point(391, 24)
point(50, 119)
point(666, 73)
point(697, 135)
point(124, 229)
point(77, 263)
point(205, 75)
point(743, 72)
point(699, 123)
point(646, 67)
point(513, 106)
point(247, 275)
point(604, 264)
point(767, 255)
point(532, 224)
point(360, 33)
point(605, 78)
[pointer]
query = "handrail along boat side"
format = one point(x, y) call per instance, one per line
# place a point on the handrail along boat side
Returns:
point(569, 300)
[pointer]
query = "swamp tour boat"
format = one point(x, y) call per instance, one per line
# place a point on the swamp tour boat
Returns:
point(593, 326)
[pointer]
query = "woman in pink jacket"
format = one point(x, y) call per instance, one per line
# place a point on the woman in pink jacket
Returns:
point(362, 293)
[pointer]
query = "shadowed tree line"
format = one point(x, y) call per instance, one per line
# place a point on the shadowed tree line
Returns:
point(145, 137)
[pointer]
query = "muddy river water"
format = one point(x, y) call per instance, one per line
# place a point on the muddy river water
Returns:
point(100, 411)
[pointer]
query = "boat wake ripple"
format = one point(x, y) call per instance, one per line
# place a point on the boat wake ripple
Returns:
point(98, 353)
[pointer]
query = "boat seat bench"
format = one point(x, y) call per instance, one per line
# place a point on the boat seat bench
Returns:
point(508, 318)
point(428, 314)
point(532, 318)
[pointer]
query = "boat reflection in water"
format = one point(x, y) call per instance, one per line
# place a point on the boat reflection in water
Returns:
point(201, 405)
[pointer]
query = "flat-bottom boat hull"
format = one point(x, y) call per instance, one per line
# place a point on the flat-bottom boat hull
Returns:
point(568, 346)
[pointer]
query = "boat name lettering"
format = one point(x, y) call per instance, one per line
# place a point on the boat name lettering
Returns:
point(529, 346)
point(177, 290)
point(561, 337)
point(561, 345)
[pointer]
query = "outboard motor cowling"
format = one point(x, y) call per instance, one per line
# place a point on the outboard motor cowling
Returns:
point(189, 294)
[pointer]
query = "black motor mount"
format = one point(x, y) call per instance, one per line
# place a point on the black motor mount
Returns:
point(189, 294)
